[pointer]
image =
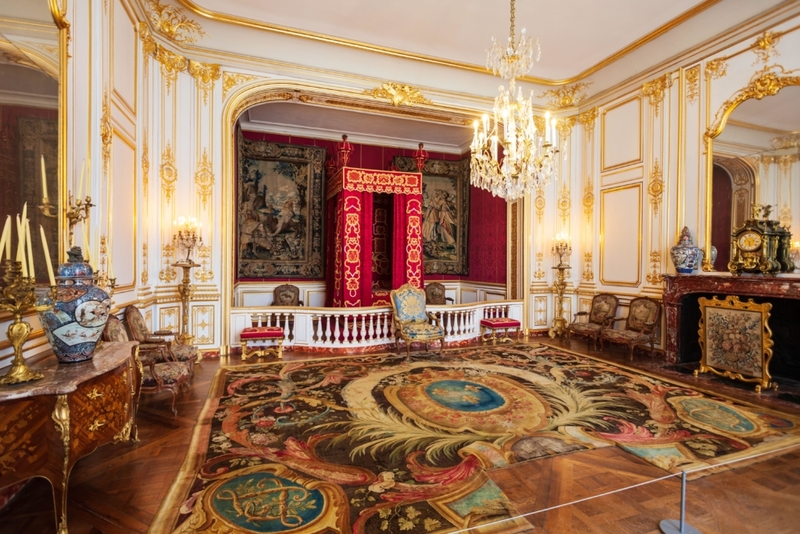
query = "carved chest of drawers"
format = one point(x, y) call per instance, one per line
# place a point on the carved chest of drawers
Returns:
point(48, 425)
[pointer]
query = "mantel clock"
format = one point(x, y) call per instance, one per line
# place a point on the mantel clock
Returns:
point(761, 246)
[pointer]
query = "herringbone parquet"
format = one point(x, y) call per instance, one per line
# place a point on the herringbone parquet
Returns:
point(118, 489)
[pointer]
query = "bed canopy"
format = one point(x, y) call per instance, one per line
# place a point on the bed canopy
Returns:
point(350, 214)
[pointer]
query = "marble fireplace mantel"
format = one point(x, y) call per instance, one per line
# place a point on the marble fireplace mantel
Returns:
point(786, 286)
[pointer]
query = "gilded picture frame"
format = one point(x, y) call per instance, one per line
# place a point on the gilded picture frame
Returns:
point(445, 213)
point(736, 339)
point(279, 224)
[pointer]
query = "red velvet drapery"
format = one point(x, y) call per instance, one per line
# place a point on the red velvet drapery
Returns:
point(350, 190)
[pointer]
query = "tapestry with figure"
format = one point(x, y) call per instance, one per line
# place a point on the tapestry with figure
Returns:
point(445, 213)
point(279, 211)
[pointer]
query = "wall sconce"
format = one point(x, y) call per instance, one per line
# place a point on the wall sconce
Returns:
point(188, 236)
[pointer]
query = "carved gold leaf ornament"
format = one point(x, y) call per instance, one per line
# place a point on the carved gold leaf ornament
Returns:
point(229, 81)
point(588, 275)
point(692, 83)
point(655, 276)
point(567, 96)
point(716, 68)
point(168, 173)
point(765, 47)
point(656, 89)
point(204, 273)
point(106, 132)
point(398, 94)
point(565, 125)
point(204, 74)
point(145, 163)
point(588, 201)
point(539, 273)
point(168, 273)
point(786, 141)
point(587, 119)
point(564, 203)
point(655, 188)
point(145, 274)
point(204, 178)
point(173, 24)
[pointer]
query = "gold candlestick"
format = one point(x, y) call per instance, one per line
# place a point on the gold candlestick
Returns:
point(19, 296)
point(48, 209)
point(561, 247)
point(186, 291)
point(77, 212)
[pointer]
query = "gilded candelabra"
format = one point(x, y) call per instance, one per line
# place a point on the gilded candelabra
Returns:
point(77, 211)
point(561, 247)
point(188, 236)
point(18, 296)
point(186, 291)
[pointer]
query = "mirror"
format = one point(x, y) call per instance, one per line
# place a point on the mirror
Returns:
point(29, 123)
point(756, 160)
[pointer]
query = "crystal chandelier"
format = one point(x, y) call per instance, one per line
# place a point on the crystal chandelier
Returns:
point(527, 159)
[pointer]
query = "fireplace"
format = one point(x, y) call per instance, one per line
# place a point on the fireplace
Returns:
point(683, 314)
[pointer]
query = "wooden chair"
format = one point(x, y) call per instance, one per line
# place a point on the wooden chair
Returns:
point(141, 333)
point(603, 309)
point(160, 370)
point(435, 294)
point(641, 323)
point(286, 295)
point(412, 322)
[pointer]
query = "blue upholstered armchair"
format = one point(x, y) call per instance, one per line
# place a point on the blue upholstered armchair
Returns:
point(411, 320)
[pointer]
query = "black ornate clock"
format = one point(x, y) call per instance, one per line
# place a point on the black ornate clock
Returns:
point(760, 246)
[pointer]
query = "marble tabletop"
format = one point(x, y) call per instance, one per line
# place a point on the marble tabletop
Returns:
point(63, 378)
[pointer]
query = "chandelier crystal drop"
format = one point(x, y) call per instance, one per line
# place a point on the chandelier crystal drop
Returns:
point(510, 156)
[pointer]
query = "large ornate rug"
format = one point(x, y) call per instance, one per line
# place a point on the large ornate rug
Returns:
point(371, 444)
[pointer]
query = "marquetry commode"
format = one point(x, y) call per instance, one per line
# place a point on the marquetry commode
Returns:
point(48, 425)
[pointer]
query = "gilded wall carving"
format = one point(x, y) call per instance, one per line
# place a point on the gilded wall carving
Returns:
point(588, 119)
point(106, 131)
point(765, 47)
point(567, 96)
point(588, 273)
point(204, 178)
point(145, 274)
point(655, 188)
point(716, 68)
point(692, 83)
point(167, 273)
point(655, 276)
point(168, 173)
point(229, 81)
point(656, 89)
point(173, 24)
point(204, 74)
point(398, 94)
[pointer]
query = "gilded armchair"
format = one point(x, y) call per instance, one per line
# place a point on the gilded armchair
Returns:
point(641, 324)
point(599, 316)
point(412, 322)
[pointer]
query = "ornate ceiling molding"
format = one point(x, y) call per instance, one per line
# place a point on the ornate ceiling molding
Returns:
point(173, 24)
point(204, 74)
point(398, 94)
point(566, 97)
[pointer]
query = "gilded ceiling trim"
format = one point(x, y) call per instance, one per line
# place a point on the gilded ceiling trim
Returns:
point(204, 74)
point(398, 94)
point(360, 45)
point(171, 63)
point(566, 97)
point(173, 24)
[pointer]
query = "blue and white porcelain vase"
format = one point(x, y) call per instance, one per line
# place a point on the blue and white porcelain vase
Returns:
point(686, 257)
point(76, 321)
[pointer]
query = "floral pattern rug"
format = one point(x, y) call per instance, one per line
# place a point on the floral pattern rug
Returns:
point(381, 443)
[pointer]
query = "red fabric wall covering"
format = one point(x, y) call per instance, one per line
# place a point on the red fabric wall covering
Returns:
point(487, 221)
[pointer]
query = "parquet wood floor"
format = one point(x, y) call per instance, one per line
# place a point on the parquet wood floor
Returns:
point(118, 489)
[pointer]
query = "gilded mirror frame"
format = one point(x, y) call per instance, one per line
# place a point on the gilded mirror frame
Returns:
point(764, 83)
point(59, 13)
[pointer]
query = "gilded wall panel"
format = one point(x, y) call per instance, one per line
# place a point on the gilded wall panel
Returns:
point(124, 62)
point(203, 324)
point(121, 205)
point(621, 134)
point(621, 235)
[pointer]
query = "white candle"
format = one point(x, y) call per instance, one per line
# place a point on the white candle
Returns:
point(44, 184)
point(20, 246)
point(29, 247)
point(85, 230)
point(49, 263)
point(80, 184)
point(5, 239)
point(547, 126)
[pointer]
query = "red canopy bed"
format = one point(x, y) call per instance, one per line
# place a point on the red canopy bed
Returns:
point(349, 235)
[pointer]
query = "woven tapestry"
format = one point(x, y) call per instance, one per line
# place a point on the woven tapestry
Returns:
point(279, 210)
point(445, 209)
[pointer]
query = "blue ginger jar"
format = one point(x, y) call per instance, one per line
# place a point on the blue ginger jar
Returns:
point(686, 257)
point(76, 321)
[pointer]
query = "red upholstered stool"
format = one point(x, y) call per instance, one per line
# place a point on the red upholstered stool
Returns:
point(262, 333)
point(493, 324)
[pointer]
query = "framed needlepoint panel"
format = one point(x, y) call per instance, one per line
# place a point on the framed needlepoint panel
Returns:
point(279, 211)
point(736, 340)
point(445, 213)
